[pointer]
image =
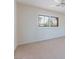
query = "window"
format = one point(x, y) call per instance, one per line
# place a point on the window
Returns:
point(47, 21)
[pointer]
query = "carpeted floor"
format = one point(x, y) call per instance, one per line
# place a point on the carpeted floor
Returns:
point(49, 49)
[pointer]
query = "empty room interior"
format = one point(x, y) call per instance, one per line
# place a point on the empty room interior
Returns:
point(39, 29)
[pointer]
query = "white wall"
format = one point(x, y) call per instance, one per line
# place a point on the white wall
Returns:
point(15, 40)
point(15, 26)
point(28, 30)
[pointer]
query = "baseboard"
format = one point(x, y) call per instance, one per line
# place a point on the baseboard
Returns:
point(16, 47)
point(22, 43)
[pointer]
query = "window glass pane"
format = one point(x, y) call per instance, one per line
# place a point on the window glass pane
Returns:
point(46, 24)
point(53, 21)
point(41, 20)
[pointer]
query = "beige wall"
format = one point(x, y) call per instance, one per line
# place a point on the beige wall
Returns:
point(27, 26)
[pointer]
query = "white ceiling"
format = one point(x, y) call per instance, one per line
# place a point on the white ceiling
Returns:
point(45, 4)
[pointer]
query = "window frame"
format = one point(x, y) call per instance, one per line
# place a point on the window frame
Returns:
point(57, 19)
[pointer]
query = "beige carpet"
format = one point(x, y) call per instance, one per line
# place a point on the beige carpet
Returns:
point(49, 49)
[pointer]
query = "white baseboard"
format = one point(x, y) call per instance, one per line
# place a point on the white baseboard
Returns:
point(24, 42)
point(15, 47)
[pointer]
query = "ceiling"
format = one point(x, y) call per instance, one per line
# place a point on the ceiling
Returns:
point(45, 4)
